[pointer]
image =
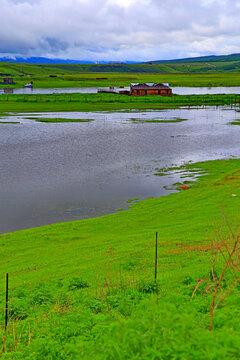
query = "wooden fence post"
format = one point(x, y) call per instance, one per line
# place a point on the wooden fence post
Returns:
point(6, 308)
point(156, 256)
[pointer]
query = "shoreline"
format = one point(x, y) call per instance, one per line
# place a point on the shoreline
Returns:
point(198, 167)
point(99, 273)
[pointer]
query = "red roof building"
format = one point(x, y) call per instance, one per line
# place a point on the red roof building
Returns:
point(150, 89)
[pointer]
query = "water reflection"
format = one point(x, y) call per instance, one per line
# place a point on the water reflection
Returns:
point(8, 91)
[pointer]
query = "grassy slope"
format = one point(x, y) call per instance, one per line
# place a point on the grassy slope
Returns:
point(211, 58)
point(117, 316)
point(211, 65)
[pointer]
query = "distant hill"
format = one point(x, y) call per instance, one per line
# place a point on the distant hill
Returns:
point(42, 60)
point(44, 66)
point(199, 59)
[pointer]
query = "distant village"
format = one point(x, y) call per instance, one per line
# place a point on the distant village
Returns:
point(136, 89)
point(7, 79)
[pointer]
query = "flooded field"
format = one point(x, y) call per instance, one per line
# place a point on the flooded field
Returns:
point(53, 172)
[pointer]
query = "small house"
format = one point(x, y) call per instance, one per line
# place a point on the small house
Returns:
point(8, 81)
point(150, 89)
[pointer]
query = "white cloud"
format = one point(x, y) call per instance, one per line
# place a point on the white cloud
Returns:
point(122, 3)
point(119, 29)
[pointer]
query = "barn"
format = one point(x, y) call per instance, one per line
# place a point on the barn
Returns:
point(150, 89)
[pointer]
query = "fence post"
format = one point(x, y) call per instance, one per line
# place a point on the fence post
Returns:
point(156, 257)
point(6, 309)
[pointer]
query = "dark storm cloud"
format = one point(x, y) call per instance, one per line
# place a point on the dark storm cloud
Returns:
point(119, 29)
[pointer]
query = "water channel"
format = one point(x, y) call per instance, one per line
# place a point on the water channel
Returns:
point(53, 172)
point(93, 90)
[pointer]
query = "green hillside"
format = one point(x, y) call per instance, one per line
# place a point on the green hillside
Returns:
point(211, 64)
point(211, 58)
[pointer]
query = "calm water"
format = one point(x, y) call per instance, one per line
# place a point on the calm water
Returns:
point(59, 172)
point(176, 90)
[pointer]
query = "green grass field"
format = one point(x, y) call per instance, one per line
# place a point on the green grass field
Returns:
point(86, 289)
point(57, 120)
point(88, 75)
point(101, 102)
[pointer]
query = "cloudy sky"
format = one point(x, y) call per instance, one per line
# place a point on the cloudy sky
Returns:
point(119, 29)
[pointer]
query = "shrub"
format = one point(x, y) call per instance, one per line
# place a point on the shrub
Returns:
point(18, 309)
point(77, 283)
point(41, 295)
point(147, 287)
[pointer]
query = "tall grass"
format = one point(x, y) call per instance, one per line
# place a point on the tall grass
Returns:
point(225, 269)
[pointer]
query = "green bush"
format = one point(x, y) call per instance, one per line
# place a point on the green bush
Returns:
point(77, 283)
point(147, 286)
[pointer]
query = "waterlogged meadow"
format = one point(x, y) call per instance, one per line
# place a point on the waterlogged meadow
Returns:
point(92, 289)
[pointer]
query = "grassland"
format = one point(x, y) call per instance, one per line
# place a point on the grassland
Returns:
point(122, 79)
point(9, 122)
point(80, 75)
point(236, 122)
point(103, 102)
point(86, 289)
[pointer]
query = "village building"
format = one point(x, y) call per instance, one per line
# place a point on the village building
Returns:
point(140, 90)
point(150, 89)
point(8, 81)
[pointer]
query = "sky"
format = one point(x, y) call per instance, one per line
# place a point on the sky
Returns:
point(119, 30)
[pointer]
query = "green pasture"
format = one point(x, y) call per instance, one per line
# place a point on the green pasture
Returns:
point(9, 122)
point(102, 101)
point(100, 75)
point(86, 289)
